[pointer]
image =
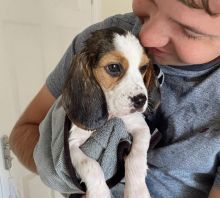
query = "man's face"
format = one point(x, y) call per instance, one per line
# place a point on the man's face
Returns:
point(176, 34)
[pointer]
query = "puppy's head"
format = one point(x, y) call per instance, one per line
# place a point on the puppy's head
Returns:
point(106, 79)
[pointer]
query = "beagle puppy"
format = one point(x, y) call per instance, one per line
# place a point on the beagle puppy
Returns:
point(111, 77)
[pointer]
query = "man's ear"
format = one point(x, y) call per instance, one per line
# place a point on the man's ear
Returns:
point(83, 98)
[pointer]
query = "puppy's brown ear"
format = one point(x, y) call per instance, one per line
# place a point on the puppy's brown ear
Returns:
point(83, 98)
point(153, 86)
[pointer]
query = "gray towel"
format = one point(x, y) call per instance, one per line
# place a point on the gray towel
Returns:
point(49, 152)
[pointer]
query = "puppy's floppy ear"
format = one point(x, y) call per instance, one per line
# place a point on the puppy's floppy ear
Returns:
point(152, 83)
point(83, 98)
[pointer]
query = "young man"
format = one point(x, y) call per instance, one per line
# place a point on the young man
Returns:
point(183, 37)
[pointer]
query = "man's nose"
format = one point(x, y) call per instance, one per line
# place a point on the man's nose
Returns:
point(154, 33)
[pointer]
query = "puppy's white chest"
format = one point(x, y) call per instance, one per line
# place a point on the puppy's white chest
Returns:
point(134, 122)
point(78, 136)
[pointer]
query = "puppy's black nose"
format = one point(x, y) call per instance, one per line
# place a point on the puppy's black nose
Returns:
point(139, 101)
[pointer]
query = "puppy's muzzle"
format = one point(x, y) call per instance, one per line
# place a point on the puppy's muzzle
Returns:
point(139, 101)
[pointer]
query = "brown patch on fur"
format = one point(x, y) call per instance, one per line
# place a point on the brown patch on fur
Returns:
point(105, 80)
point(144, 61)
point(153, 87)
point(149, 77)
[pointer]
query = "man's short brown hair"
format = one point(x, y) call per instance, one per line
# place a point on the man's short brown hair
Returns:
point(202, 4)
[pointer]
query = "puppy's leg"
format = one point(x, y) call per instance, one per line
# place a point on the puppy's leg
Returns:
point(88, 169)
point(136, 161)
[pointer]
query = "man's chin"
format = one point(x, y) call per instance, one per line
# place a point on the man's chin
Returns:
point(168, 62)
point(165, 61)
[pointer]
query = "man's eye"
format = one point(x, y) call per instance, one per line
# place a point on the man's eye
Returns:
point(143, 69)
point(114, 69)
point(191, 35)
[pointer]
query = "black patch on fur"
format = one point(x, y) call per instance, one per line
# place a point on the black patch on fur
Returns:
point(83, 98)
point(70, 168)
point(75, 196)
point(124, 148)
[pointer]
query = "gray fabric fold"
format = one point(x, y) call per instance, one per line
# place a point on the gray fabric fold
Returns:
point(49, 152)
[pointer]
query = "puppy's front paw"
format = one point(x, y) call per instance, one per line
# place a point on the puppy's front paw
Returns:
point(100, 191)
point(140, 192)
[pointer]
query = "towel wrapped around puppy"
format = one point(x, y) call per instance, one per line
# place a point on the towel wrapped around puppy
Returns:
point(50, 155)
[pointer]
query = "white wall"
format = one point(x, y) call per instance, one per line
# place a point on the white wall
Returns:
point(112, 7)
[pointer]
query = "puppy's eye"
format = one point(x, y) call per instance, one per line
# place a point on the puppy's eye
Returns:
point(143, 69)
point(114, 69)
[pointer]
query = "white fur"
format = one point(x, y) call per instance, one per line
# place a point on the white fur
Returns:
point(119, 105)
point(136, 161)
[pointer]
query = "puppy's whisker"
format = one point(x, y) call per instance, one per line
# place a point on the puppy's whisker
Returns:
point(149, 109)
point(150, 106)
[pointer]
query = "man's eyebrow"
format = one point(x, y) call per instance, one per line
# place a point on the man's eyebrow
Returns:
point(193, 29)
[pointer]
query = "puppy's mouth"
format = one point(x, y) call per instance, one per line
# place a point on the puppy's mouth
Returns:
point(141, 110)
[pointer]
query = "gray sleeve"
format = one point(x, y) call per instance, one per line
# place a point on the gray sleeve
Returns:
point(57, 77)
